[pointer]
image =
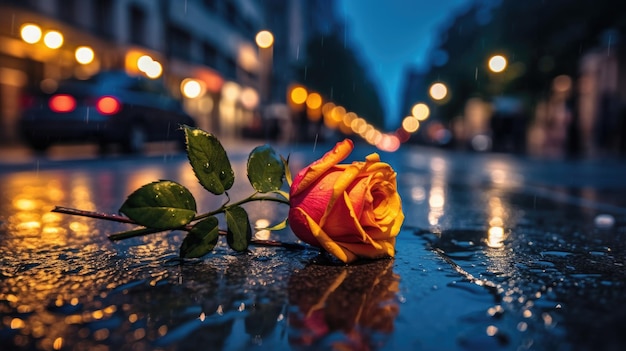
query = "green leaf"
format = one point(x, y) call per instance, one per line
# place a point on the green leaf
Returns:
point(287, 170)
point(201, 239)
point(160, 205)
point(209, 161)
point(265, 169)
point(239, 233)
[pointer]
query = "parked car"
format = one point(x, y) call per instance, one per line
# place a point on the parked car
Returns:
point(109, 108)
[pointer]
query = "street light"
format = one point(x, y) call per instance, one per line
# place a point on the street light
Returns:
point(438, 91)
point(84, 55)
point(298, 95)
point(53, 39)
point(30, 33)
point(191, 88)
point(420, 111)
point(410, 124)
point(497, 63)
point(264, 39)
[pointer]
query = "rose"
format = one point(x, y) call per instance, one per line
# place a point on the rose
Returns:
point(343, 308)
point(350, 210)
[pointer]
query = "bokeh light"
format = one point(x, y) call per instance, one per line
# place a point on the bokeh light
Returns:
point(314, 101)
point(191, 88)
point(562, 83)
point(410, 124)
point(438, 91)
point(84, 55)
point(264, 39)
point(31, 33)
point(497, 63)
point(249, 98)
point(154, 70)
point(298, 95)
point(389, 143)
point(420, 111)
point(144, 62)
point(53, 39)
point(230, 91)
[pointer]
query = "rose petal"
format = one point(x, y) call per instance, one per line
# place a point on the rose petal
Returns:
point(344, 225)
point(339, 188)
point(385, 249)
point(311, 173)
point(329, 244)
point(315, 198)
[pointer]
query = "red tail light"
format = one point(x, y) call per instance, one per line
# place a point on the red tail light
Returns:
point(108, 105)
point(62, 103)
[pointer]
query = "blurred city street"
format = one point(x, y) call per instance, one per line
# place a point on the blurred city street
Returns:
point(497, 252)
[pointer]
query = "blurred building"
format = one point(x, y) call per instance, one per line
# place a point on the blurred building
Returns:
point(209, 43)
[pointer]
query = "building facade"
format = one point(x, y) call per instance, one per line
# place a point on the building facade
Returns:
point(208, 41)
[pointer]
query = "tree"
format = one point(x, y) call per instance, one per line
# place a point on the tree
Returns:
point(542, 39)
point(334, 70)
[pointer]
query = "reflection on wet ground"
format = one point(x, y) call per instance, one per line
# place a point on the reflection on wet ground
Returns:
point(496, 253)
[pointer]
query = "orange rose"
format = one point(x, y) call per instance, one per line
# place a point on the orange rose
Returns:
point(350, 210)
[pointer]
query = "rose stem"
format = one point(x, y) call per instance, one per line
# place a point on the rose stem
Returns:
point(91, 214)
point(145, 231)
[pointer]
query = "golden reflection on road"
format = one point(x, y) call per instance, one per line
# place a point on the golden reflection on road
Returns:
point(495, 233)
point(51, 264)
point(437, 194)
point(60, 275)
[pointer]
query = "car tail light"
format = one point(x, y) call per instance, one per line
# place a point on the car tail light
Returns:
point(108, 105)
point(62, 103)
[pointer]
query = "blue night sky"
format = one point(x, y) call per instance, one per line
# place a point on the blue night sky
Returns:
point(393, 34)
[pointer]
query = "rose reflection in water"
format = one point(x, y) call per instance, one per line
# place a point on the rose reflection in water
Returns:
point(343, 307)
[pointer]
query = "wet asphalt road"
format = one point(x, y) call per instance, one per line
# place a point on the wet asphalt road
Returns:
point(497, 252)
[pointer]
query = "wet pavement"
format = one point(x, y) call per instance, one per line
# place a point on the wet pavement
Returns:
point(497, 253)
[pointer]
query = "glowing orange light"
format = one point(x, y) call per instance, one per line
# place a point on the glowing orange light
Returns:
point(314, 101)
point(62, 103)
point(298, 95)
point(108, 105)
